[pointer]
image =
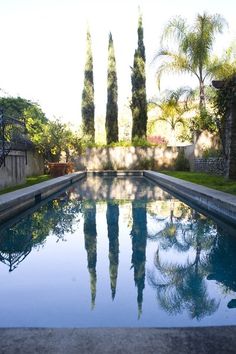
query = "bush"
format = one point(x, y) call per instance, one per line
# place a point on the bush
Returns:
point(108, 166)
point(181, 163)
point(211, 152)
point(157, 140)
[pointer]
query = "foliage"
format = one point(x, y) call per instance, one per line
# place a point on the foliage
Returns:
point(138, 80)
point(211, 152)
point(157, 140)
point(88, 94)
point(191, 53)
point(204, 179)
point(181, 163)
point(112, 96)
point(30, 112)
point(58, 138)
point(50, 137)
point(222, 102)
point(226, 67)
point(173, 107)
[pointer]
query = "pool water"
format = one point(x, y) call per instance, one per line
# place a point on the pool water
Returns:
point(116, 252)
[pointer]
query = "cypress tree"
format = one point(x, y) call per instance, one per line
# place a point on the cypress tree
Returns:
point(88, 94)
point(112, 95)
point(138, 80)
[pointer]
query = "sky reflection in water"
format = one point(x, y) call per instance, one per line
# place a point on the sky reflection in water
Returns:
point(116, 252)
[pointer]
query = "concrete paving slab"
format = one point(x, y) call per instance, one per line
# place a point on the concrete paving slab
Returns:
point(208, 340)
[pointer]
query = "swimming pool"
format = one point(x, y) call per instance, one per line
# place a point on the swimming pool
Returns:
point(116, 252)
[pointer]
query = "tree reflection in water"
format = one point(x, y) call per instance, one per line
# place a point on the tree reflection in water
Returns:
point(56, 216)
point(182, 286)
point(90, 241)
point(222, 263)
point(139, 242)
point(113, 236)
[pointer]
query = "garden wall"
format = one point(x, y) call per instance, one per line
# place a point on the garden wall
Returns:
point(16, 170)
point(122, 158)
point(211, 165)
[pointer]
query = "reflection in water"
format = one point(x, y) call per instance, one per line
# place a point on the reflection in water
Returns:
point(90, 238)
point(56, 217)
point(222, 262)
point(182, 286)
point(139, 242)
point(182, 252)
point(113, 236)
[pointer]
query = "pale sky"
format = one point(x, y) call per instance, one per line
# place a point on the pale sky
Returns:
point(42, 49)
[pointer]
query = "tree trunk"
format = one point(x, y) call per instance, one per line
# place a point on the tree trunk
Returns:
point(230, 138)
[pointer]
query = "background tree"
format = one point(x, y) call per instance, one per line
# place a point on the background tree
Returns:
point(173, 107)
point(138, 80)
point(30, 112)
point(49, 137)
point(112, 95)
point(88, 94)
point(191, 52)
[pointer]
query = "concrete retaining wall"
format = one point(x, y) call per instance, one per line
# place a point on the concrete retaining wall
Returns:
point(126, 158)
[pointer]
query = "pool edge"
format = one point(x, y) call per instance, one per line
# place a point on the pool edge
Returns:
point(15, 202)
point(211, 200)
point(119, 340)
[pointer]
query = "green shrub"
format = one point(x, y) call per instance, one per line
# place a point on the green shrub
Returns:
point(211, 152)
point(181, 163)
point(108, 166)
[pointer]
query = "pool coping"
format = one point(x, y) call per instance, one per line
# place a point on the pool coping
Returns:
point(191, 340)
point(13, 203)
point(215, 202)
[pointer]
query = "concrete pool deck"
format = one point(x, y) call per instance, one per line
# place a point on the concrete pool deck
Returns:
point(207, 340)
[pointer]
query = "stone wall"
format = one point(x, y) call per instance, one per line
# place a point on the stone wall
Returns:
point(211, 165)
point(16, 170)
point(127, 158)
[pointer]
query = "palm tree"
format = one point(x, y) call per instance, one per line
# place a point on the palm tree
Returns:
point(194, 47)
point(173, 107)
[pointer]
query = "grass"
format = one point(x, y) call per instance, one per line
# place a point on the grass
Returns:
point(30, 181)
point(215, 182)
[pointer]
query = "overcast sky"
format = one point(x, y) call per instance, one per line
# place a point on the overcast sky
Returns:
point(42, 50)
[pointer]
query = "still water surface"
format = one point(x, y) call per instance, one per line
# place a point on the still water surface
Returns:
point(114, 252)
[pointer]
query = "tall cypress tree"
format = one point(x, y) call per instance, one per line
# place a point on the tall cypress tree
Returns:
point(138, 79)
point(112, 95)
point(88, 94)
